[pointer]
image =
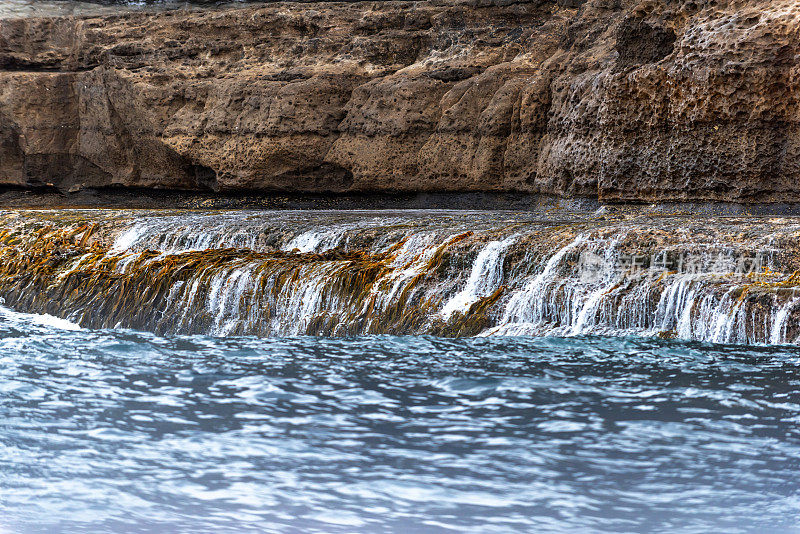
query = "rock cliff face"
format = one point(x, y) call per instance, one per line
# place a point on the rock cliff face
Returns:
point(618, 99)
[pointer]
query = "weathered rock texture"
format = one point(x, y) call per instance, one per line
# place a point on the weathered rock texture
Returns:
point(618, 99)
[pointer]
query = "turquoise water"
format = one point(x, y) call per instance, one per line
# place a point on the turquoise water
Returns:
point(122, 431)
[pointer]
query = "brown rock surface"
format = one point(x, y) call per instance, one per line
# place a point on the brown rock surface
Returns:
point(619, 99)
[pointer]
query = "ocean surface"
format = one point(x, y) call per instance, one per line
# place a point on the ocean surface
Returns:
point(124, 431)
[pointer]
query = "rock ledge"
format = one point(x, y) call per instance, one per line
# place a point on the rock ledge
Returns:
point(613, 99)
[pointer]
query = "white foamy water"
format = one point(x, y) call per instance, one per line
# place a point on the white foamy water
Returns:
point(484, 279)
point(347, 273)
point(37, 319)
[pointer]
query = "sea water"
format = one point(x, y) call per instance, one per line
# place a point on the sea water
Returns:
point(124, 431)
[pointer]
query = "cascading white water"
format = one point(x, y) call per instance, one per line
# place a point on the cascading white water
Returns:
point(698, 305)
point(779, 322)
point(484, 278)
point(290, 273)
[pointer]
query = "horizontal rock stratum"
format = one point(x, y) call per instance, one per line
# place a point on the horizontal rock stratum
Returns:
point(615, 99)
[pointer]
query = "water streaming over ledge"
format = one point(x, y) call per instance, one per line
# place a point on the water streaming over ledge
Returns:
point(337, 273)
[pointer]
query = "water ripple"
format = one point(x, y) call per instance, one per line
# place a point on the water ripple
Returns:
point(121, 431)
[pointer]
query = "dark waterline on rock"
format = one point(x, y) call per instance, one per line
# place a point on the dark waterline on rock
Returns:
point(119, 431)
point(133, 198)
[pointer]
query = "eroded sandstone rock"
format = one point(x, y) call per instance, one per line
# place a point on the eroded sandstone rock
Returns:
point(618, 99)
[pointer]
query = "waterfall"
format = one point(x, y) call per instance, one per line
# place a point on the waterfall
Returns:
point(780, 321)
point(442, 273)
point(484, 278)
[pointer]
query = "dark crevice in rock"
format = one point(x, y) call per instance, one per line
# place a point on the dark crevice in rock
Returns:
point(570, 3)
point(62, 171)
point(639, 42)
point(203, 178)
point(453, 74)
point(287, 76)
point(326, 177)
point(14, 64)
